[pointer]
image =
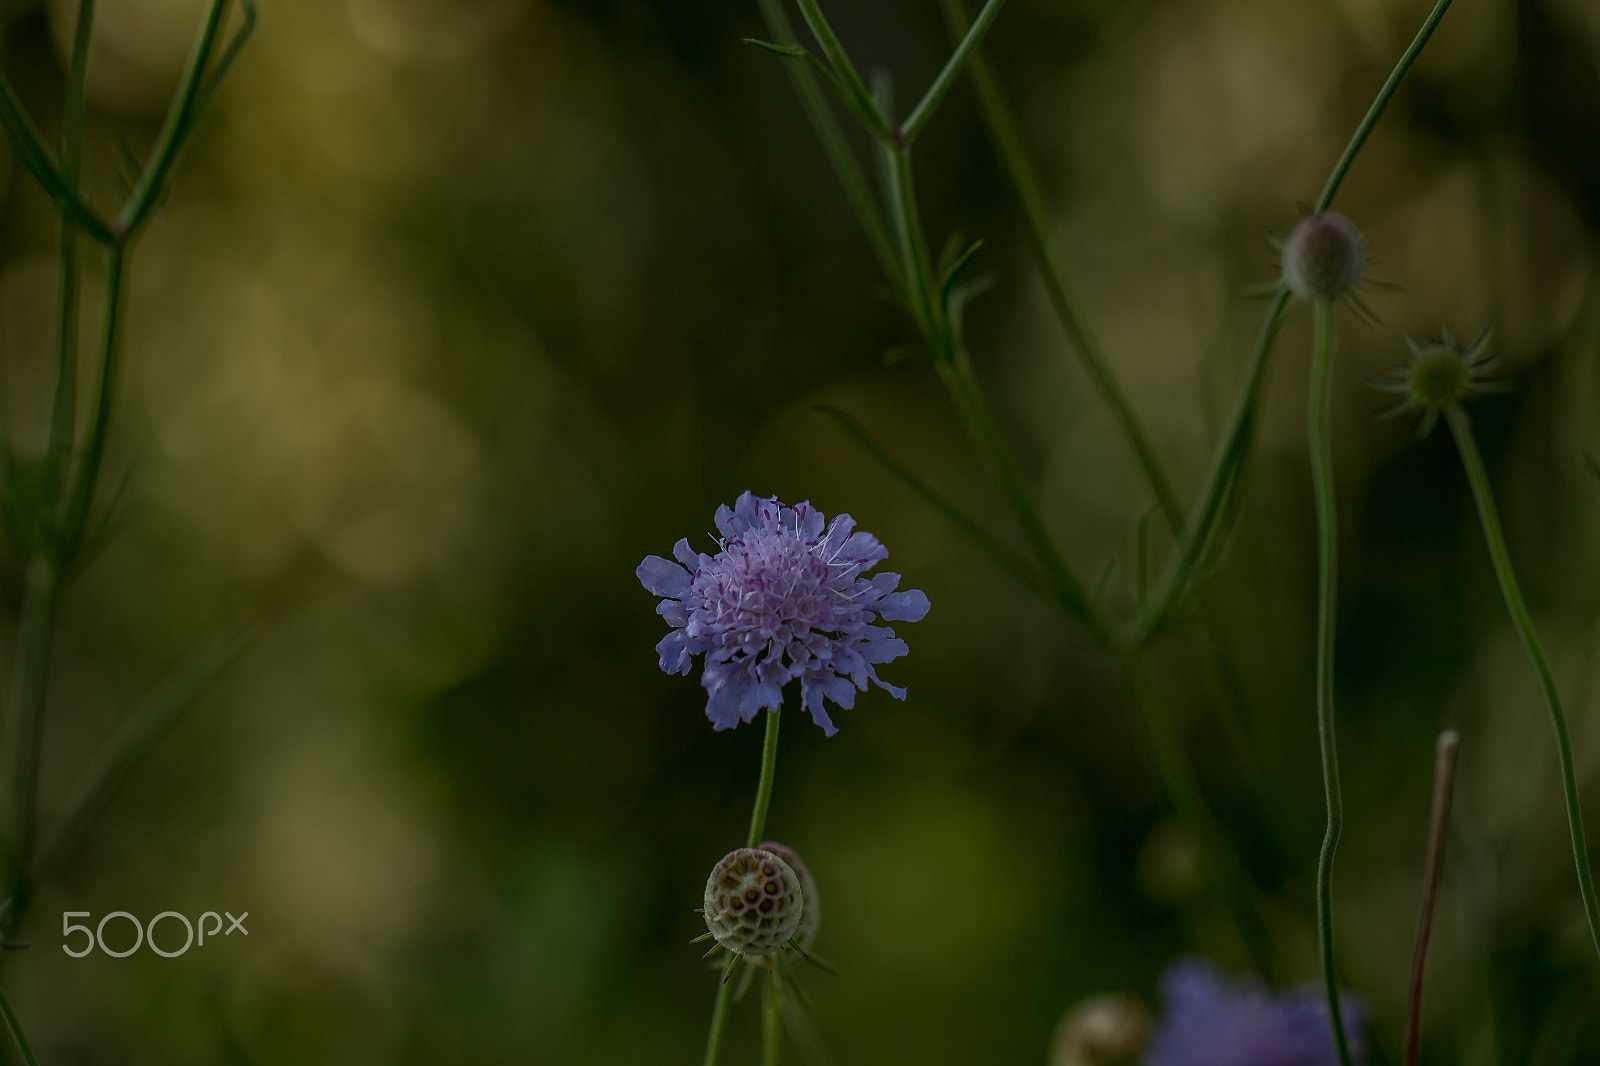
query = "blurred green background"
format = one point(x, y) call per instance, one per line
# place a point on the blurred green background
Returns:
point(459, 308)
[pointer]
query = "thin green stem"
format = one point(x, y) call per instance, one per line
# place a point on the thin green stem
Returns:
point(1494, 537)
point(1188, 803)
point(30, 671)
point(771, 1023)
point(86, 473)
point(719, 1023)
point(769, 767)
point(1024, 180)
point(758, 825)
point(915, 257)
point(66, 398)
point(15, 1028)
point(984, 431)
point(174, 132)
point(947, 77)
point(1357, 139)
point(1225, 464)
point(857, 190)
point(28, 143)
point(1321, 447)
point(856, 94)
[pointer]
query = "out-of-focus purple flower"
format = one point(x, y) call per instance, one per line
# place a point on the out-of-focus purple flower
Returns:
point(785, 598)
point(1212, 1020)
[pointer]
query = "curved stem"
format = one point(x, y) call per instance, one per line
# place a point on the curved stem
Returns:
point(1327, 611)
point(1357, 139)
point(771, 1024)
point(1495, 538)
point(1188, 803)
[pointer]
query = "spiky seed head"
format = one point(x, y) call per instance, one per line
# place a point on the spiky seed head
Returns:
point(1438, 376)
point(1324, 256)
point(753, 902)
point(1108, 1030)
point(811, 913)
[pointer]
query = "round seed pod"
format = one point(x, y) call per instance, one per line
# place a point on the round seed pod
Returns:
point(1324, 256)
point(753, 902)
point(811, 913)
point(1108, 1030)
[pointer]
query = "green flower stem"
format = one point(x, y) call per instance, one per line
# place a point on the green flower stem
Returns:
point(984, 431)
point(855, 90)
point(1494, 537)
point(771, 1024)
point(719, 1022)
point(174, 132)
point(1220, 478)
point(1327, 610)
point(85, 475)
point(915, 259)
point(1024, 179)
point(41, 589)
point(857, 190)
point(758, 825)
point(15, 1028)
point(66, 398)
point(769, 766)
point(1188, 803)
point(28, 144)
point(952, 69)
point(1379, 102)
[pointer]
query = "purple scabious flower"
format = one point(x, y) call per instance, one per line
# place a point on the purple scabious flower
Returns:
point(1212, 1020)
point(785, 598)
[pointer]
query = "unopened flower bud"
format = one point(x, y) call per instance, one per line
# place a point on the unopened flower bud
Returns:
point(1108, 1030)
point(1324, 256)
point(753, 902)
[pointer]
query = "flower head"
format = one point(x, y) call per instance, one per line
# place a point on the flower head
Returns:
point(1211, 1020)
point(785, 598)
point(1439, 376)
point(753, 902)
point(1324, 255)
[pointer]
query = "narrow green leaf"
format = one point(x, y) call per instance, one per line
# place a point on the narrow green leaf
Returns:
point(788, 51)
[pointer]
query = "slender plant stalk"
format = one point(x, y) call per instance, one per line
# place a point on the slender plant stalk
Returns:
point(947, 77)
point(41, 590)
point(1188, 803)
point(769, 767)
point(86, 472)
point(1495, 538)
point(15, 1028)
point(66, 399)
point(1336, 177)
point(855, 90)
point(758, 825)
point(1220, 476)
point(771, 1023)
point(1444, 778)
point(857, 190)
point(1327, 614)
point(1025, 184)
